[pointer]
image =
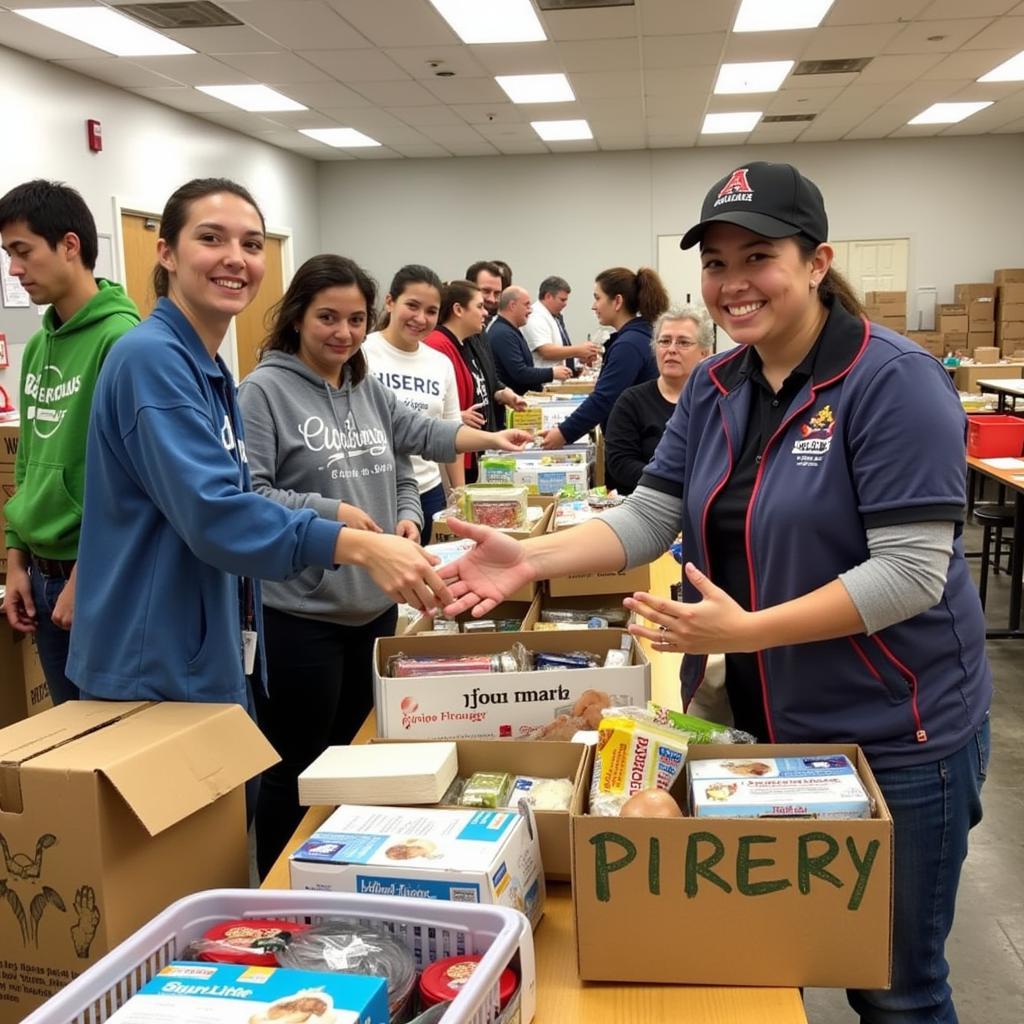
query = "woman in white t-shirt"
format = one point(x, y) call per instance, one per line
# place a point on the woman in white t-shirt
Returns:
point(422, 378)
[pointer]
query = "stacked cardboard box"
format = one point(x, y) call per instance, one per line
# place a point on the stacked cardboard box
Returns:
point(888, 309)
point(8, 452)
point(931, 341)
point(951, 323)
point(980, 302)
point(1009, 327)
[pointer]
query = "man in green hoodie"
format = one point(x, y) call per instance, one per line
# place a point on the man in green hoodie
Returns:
point(50, 236)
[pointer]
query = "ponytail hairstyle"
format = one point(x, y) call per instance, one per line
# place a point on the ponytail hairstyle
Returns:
point(455, 292)
point(833, 287)
point(642, 292)
point(316, 274)
point(176, 213)
point(411, 273)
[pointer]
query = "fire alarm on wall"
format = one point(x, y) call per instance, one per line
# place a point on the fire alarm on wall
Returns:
point(94, 131)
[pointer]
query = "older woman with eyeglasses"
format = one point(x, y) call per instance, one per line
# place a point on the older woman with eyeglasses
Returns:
point(681, 339)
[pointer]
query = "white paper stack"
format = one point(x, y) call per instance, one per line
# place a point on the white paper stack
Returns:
point(379, 773)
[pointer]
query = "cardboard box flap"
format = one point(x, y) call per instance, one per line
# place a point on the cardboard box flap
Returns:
point(32, 737)
point(172, 759)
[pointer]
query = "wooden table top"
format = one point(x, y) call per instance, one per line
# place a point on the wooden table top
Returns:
point(1010, 477)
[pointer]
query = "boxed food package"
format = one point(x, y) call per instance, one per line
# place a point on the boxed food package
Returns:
point(8, 453)
point(113, 811)
point(965, 293)
point(539, 471)
point(812, 899)
point(465, 855)
point(573, 386)
point(815, 786)
point(985, 354)
point(495, 705)
point(546, 760)
point(189, 993)
point(544, 411)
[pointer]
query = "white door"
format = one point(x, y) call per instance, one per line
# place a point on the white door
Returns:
point(874, 264)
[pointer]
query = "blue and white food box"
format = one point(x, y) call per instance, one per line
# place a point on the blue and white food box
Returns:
point(469, 856)
point(825, 786)
point(206, 993)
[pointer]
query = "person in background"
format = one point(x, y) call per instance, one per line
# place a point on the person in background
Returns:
point(50, 237)
point(682, 338)
point(422, 378)
point(629, 303)
point(545, 331)
point(174, 541)
point(505, 271)
point(487, 276)
point(324, 434)
point(511, 353)
point(823, 548)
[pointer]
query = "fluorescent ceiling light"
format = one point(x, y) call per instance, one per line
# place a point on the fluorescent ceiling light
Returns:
point(492, 21)
point(949, 113)
point(562, 131)
point(251, 97)
point(1009, 71)
point(106, 30)
point(722, 124)
point(777, 15)
point(340, 138)
point(536, 88)
point(758, 76)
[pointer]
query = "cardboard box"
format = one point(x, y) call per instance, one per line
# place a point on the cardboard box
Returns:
point(1009, 275)
point(986, 354)
point(24, 691)
point(965, 293)
point(951, 309)
point(948, 323)
point(571, 387)
point(981, 311)
point(544, 473)
point(543, 760)
point(468, 854)
point(1012, 330)
point(493, 705)
point(1011, 312)
point(966, 377)
point(8, 453)
point(1010, 294)
point(525, 612)
point(112, 811)
point(879, 315)
point(753, 897)
point(928, 340)
point(976, 339)
point(954, 341)
point(890, 303)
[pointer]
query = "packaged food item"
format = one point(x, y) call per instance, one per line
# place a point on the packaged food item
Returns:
point(650, 803)
point(503, 507)
point(187, 993)
point(479, 626)
point(820, 786)
point(487, 789)
point(541, 794)
point(617, 657)
point(696, 729)
point(632, 755)
point(441, 981)
point(350, 947)
point(545, 662)
point(252, 941)
point(401, 666)
point(613, 616)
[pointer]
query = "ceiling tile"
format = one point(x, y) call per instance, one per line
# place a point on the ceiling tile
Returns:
point(326, 94)
point(296, 25)
point(991, 91)
point(485, 113)
point(181, 97)
point(749, 46)
point(117, 71)
point(957, 9)
point(595, 23)
point(296, 119)
point(420, 151)
point(765, 134)
point(801, 101)
point(33, 39)
point(396, 22)
point(550, 111)
point(518, 58)
point(396, 94)
point(275, 68)
point(968, 63)
point(1002, 32)
point(227, 39)
point(369, 120)
point(466, 90)
point(849, 41)
point(498, 131)
point(935, 36)
point(374, 153)
point(1014, 127)
point(666, 17)
point(424, 117)
point(892, 68)
point(680, 82)
point(240, 120)
point(606, 85)
point(195, 69)
point(869, 12)
point(524, 148)
point(450, 136)
point(823, 81)
point(356, 65)
point(865, 97)
point(573, 146)
point(674, 106)
point(675, 141)
point(416, 61)
point(480, 148)
point(617, 110)
point(600, 55)
point(673, 52)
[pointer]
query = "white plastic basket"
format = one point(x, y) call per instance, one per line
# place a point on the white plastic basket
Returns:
point(431, 929)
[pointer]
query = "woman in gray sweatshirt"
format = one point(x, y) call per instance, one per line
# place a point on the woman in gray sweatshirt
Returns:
point(322, 433)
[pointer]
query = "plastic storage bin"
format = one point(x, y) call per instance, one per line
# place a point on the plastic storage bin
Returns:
point(994, 436)
point(432, 930)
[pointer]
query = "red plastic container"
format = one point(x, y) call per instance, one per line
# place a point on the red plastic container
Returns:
point(442, 980)
point(990, 437)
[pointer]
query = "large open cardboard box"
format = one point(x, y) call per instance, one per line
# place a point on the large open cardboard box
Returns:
point(526, 613)
point(108, 813)
point(766, 901)
point(493, 705)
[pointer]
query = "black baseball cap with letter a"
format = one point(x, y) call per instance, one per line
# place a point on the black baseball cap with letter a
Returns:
point(773, 200)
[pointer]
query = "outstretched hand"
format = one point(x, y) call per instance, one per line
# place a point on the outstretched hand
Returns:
point(512, 440)
point(485, 576)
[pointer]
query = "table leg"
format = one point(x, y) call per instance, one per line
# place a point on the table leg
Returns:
point(1017, 561)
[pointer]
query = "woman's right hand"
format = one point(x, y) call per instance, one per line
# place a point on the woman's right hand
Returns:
point(485, 576)
point(356, 519)
point(402, 569)
point(472, 417)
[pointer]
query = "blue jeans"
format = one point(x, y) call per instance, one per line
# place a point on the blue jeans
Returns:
point(51, 640)
point(430, 501)
point(933, 807)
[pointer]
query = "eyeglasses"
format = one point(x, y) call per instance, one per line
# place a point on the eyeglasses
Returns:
point(676, 343)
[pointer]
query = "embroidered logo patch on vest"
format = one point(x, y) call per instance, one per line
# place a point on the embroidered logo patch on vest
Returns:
point(815, 437)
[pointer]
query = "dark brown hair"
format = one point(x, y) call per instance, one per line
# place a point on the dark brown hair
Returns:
point(461, 292)
point(316, 274)
point(642, 292)
point(411, 273)
point(473, 270)
point(175, 216)
point(833, 286)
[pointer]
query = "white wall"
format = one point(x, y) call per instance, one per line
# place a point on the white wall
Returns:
point(148, 150)
point(956, 199)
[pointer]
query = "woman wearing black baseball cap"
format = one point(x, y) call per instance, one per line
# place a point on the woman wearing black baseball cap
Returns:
point(817, 472)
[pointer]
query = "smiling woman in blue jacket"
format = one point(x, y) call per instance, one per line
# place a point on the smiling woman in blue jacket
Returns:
point(174, 541)
point(817, 472)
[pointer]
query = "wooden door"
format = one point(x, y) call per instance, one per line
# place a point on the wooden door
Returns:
point(252, 325)
point(140, 233)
